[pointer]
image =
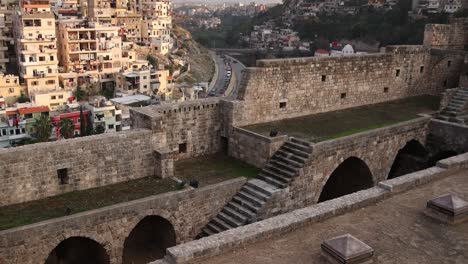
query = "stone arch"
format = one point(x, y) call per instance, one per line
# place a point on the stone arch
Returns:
point(413, 156)
point(148, 240)
point(77, 249)
point(350, 176)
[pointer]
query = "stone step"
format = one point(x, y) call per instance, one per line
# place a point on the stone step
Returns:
point(250, 198)
point(286, 173)
point(262, 186)
point(284, 166)
point(460, 97)
point(291, 156)
point(241, 210)
point(300, 141)
point(208, 232)
point(449, 113)
point(458, 101)
point(255, 193)
point(274, 181)
point(294, 151)
point(214, 228)
point(230, 220)
point(276, 176)
point(442, 117)
point(236, 215)
point(454, 108)
point(287, 161)
point(306, 149)
point(221, 224)
point(244, 203)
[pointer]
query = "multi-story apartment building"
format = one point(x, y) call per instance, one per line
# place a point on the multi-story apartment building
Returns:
point(55, 100)
point(105, 114)
point(141, 78)
point(10, 87)
point(74, 116)
point(36, 45)
point(6, 34)
point(157, 23)
point(90, 48)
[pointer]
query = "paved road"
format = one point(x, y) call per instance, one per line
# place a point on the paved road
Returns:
point(222, 81)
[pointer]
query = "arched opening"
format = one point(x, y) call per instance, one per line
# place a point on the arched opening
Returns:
point(149, 240)
point(75, 250)
point(350, 176)
point(412, 157)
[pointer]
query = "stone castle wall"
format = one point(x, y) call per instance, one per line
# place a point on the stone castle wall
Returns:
point(253, 148)
point(286, 88)
point(187, 210)
point(447, 36)
point(30, 172)
point(377, 148)
point(190, 129)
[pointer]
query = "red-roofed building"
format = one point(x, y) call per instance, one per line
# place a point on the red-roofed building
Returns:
point(321, 53)
point(74, 117)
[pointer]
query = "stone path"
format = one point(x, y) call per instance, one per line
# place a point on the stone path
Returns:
point(396, 228)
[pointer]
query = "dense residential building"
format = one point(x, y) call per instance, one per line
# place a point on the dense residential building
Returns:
point(6, 34)
point(104, 113)
point(55, 100)
point(90, 48)
point(36, 45)
point(10, 88)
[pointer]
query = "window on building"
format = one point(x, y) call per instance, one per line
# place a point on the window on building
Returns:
point(63, 176)
point(397, 72)
point(17, 131)
point(324, 78)
point(110, 126)
point(34, 83)
point(445, 83)
point(51, 58)
point(4, 132)
point(23, 130)
point(183, 148)
point(60, 97)
point(282, 105)
point(28, 116)
point(41, 58)
point(53, 97)
point(144, 78)
point(145, 86)
point(11, 90)
point(449, 63)
point(385, 89)
point(421, 69)
point(50, 82)
point(7, 81)
point(343, 95)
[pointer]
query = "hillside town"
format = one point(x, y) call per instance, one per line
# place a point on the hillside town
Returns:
point(69, 59)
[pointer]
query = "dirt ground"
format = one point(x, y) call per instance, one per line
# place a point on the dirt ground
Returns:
point(395, 228)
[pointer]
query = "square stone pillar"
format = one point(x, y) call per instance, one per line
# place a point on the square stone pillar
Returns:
point(164, 166)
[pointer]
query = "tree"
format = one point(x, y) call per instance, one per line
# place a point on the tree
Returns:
point(152, 60)
point(67, 128)
point(89, 125)
point(99, 129)
point(82, 123)
point(23, 98)
point(43, 128)
point(80, 94)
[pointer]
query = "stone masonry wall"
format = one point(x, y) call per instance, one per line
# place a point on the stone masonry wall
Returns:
point(190, 128)
point(377, 148)
point(30, 172)
point(253, 148)
point(447, 36)
point(448, 136)
point(187, 210)
point(286, 88)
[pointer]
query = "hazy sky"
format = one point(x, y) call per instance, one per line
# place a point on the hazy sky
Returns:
point(228, 1)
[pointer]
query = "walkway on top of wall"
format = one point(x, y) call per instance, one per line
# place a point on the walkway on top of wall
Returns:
point(319, 127)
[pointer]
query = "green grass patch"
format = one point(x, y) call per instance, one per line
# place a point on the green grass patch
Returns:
point(212, 169)
point(79, 201)
point(350, 121)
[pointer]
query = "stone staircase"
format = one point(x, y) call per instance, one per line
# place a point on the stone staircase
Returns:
point(457, 109)
point(278, 173)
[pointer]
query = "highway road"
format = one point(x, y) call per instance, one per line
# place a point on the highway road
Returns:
point(220, 87)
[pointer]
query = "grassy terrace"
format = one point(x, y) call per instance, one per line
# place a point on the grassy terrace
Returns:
point(207, 170)
point(341, 123)
point(212, 169)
